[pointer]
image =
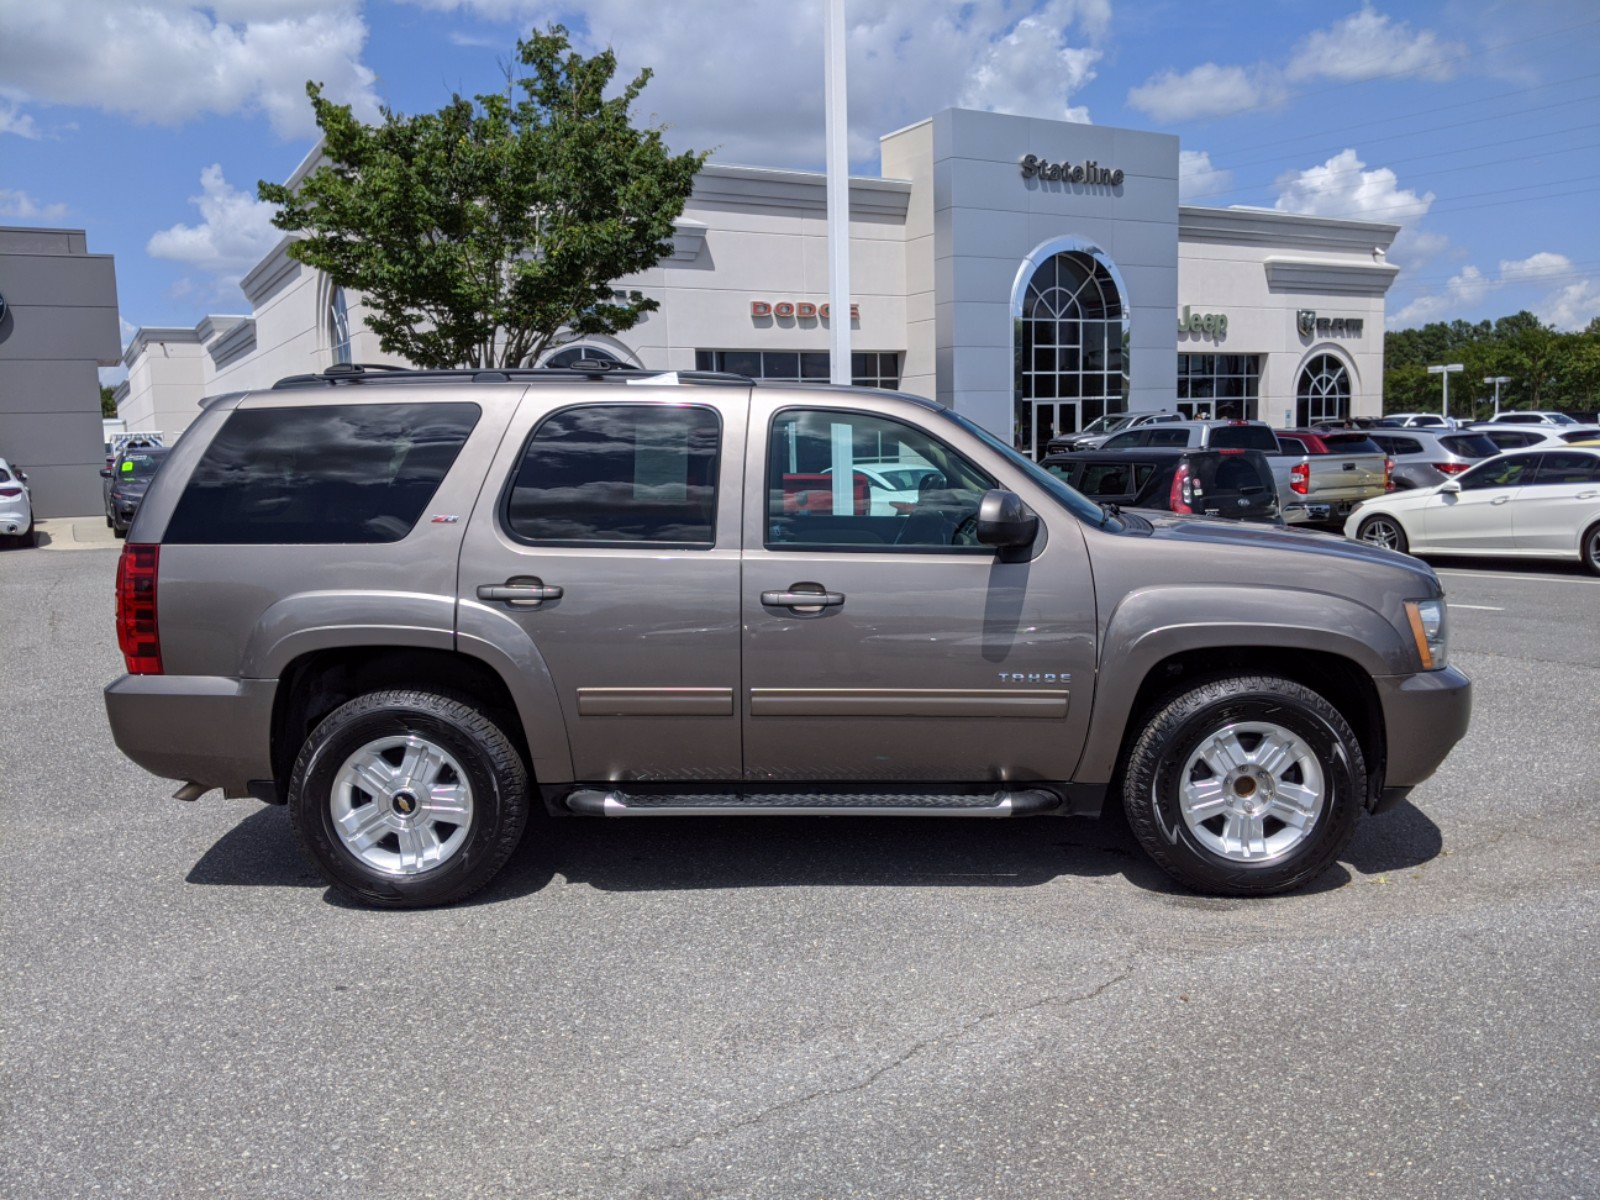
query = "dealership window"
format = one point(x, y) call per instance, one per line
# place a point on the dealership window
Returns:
point(873, 368)
point(1218, 386)
point(569, 355)
point(1071, 350)
point(1323, 393)
point(339, 326)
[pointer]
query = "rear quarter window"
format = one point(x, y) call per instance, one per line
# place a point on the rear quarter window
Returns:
point(323, 474)
point(1469, 445)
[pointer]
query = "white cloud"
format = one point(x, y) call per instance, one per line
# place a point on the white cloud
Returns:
point(168, 61)
point(1206, 91)
point(1463, 291)
point(1370, 45)
point(19, 206)
point(1571, 307)
point(1534, 266)
point(14, 120)
point(234, 234)
point(1197, 178)
point(904, 62)
point(1343, 187)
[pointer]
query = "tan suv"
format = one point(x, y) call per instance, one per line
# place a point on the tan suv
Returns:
point(412, 604)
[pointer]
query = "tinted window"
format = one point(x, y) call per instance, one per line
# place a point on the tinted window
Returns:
point(1568, 467)
point(1114, 479)
point(1581, 435)
point(1469, 445)
point(819, 496)
point(1167, 437)
point(1123, 441)
point(608, 473)
point(1521, 419)
point(1507, 439)
point(1399, 445)
point(324, 474)
point(1350, 443)
point(5, 475)
point(1244, 437)
point(1507, 471)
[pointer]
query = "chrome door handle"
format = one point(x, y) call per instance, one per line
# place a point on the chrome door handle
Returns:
point(1587, 495)
point(802, 599)
point(521, 592)
point(1499, 499)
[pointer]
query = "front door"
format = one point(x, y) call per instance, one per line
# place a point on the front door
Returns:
point(604, 552)
point(893, 647)
point(1478, 517)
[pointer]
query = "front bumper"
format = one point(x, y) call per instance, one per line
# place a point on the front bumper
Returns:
point(1424, 716)
point(204, 729)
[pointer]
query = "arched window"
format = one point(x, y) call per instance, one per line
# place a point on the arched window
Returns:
point(1323, 392)
point(339, 326)
point(569, 355)
point(1071, 348)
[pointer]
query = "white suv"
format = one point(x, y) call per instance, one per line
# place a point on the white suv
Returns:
point(1532, 418)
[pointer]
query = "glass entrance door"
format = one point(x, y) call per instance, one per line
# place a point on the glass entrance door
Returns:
point(1049, 419)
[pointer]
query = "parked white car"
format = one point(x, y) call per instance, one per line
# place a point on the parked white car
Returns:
point(16, 507)
point(1532, 417)
point(1527, 504)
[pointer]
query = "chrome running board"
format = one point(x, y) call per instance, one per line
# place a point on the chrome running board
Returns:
point(927, 803)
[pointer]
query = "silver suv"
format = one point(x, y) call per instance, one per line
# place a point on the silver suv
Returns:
point(415, 605)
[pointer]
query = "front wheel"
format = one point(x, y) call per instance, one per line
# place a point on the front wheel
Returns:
point(1383, 530)
point(408, 798)
point(1245, 785)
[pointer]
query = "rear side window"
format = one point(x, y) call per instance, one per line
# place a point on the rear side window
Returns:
point(1124, 441)
point(1581, 435)
point(1167, 437)
point(1244, 437)
point(1568, 466)
point(1114, 479)
point(1399, 445)
point(1469, 445)
point(332, 473)
point(619, 474)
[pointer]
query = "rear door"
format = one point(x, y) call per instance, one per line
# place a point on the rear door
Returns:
point(604, 554)
point(1553, 511)
point(1478, 517)
point(924, 657)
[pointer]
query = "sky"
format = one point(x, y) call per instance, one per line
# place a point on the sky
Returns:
point(1474, 124)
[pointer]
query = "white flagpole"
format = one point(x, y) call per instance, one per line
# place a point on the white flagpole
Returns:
point(838, 171)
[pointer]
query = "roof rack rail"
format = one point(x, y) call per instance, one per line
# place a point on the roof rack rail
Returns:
point(347, 374)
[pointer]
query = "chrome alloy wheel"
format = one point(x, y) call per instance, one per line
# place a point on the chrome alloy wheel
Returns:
point(1252, 791)
point(402, 805)
point(1381, 531)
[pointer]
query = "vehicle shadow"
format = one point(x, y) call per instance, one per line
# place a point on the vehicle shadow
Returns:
point(695, 853)
point(1511, 566)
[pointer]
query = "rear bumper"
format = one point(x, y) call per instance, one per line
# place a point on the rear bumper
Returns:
point(1424, 716)
point(14, 520)
point(202, 729)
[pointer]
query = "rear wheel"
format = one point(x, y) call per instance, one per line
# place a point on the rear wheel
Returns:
point(406, 798)
point(1245, 785)
point(1589, 548)
point(1383, 530)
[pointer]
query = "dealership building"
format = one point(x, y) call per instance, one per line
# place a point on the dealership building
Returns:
point(1032, 274)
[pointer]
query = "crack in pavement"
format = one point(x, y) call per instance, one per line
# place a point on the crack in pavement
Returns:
point(873, 1076)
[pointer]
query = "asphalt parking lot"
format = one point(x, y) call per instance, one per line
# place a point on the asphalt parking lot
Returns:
point(787, 1008)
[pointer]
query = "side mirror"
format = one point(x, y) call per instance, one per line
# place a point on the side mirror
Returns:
point(1005, 522)
point(105, 472)
point(1450, 485)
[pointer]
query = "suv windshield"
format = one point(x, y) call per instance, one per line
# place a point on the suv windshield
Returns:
point(1072, 500)
point(140, 464)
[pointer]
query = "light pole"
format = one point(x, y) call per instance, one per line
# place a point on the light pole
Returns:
point(1497, 380)
point(1446, 371)
point(837, 162)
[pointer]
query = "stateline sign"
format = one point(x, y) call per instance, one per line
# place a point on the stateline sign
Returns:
point(803, 309)
point(1034, 167)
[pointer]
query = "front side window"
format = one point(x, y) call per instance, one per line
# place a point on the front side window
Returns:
point(318, 475)
point(825, 475)
point(619, 474)
point(1509, 470)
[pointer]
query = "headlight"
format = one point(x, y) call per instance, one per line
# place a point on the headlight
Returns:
point(1428, 627)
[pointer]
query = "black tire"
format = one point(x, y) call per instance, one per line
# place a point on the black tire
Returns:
point(1151, 782)
point(492, 766)
point(1589, 548)
point(120, 531)
point(1401, 542)
point(110, 521)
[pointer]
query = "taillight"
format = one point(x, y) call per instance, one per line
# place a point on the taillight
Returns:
point(10, 493)
point(1181, 498)
point(1300, 479)
point(1388, 474)
point(1451, 468)
point(136, 609)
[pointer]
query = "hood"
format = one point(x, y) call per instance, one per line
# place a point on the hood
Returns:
point(1333, 548)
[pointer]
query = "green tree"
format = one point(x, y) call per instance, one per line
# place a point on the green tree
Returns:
point(108, 401)
point(478, 233)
